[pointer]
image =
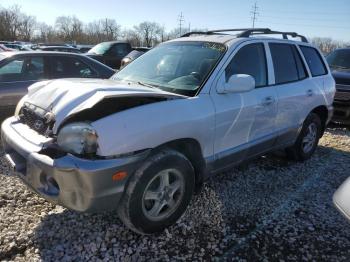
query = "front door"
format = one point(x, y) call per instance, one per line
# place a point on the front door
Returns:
point(245, 122)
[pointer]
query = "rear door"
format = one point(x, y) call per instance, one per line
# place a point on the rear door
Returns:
point(245, 122)
point(293, 89)
point(17, 74)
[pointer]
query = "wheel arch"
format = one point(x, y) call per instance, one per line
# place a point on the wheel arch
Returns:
point(322, 112)
point(192, 150)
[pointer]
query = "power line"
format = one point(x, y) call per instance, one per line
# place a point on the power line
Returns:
point(181, 20)
point(254, 13)
point(304, 12)
point(300, 18)
point(306, 25)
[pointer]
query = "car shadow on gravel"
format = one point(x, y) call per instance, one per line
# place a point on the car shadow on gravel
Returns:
point(267, 208)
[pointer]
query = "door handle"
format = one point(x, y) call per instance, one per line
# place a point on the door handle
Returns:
point(309, 92)
point(268, 101)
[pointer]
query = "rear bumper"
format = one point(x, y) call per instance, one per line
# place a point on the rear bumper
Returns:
point(76, 183)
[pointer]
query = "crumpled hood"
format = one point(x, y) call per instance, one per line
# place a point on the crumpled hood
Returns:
point(65, 97)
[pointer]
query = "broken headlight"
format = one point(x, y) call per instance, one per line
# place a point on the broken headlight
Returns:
point(78, 138)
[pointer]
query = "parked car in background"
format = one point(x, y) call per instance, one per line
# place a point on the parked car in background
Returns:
point(38, 45)
point(339, 62)
point(18, 70)
point(110, 53)
point(59, 49)
point(341, 199)
point(185, 110)
point(5, 49)
point(137, 52)
point(18, 47)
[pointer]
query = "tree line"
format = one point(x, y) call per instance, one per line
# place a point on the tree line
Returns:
point(18, 26)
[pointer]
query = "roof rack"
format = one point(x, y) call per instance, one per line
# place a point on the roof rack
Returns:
point(247, 32)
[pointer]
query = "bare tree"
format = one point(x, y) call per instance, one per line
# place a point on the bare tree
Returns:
point(10, 22)
point(149, 32)
point(63, 26)
point(111, 29)
point(26, 28)
point(327, 44)
point(94, 32)
point(46, 33)
point(132, 37)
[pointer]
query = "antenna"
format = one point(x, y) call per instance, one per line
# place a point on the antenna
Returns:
point(254, 13)
point(181, 20)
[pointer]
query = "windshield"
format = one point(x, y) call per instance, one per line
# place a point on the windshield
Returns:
point(100, 49)
point(179, 67)
point(339, 59)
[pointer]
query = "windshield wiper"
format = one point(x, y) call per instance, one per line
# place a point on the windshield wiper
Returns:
point(148, 85)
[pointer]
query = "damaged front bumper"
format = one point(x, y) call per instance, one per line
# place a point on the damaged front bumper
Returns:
point(78, 184)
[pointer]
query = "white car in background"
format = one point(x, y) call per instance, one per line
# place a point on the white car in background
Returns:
point(341, 199)
point(141, 142)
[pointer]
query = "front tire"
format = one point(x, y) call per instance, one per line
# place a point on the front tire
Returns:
point(158, 193)
point(307, 141)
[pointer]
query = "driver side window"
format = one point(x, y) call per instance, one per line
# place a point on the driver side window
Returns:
point(250, 60)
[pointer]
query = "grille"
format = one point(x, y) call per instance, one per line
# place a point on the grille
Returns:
point(342, 96)
point(35, 118)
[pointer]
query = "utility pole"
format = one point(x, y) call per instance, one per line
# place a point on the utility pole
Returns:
point(181, 20)
point(254, 13)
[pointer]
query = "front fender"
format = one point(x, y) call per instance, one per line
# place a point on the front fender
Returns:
point(151, 125)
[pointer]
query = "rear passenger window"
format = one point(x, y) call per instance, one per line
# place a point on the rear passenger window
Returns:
point(314, 61)
point(250, 60)
point(284, 63)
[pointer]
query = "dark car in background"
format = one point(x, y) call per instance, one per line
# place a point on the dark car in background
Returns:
point(339, 62)
point(68, 49)
point(110, 53)
point(137, 52)
point(18, 70)
point(84, 48)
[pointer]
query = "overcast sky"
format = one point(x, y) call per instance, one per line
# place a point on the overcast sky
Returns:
point(325, 18)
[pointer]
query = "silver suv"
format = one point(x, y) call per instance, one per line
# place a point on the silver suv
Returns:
point(142, 141)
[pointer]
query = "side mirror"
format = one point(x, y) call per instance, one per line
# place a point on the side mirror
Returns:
point(239, 83)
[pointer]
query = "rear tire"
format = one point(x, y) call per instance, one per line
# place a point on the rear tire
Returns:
point(158, 193)
point(307, 141)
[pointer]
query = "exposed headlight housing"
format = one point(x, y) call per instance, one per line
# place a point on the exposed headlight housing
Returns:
point(78, 138)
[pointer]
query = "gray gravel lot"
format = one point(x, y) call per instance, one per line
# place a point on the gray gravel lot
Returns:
point(266, 209)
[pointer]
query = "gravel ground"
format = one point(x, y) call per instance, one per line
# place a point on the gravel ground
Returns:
point(268, 209)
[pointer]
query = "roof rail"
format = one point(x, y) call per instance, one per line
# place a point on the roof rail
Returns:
point(215, 31)
point(247, 32)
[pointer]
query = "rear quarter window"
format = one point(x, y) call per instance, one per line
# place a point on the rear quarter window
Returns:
point(314, 61)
